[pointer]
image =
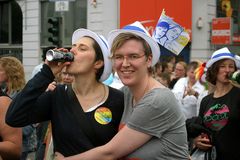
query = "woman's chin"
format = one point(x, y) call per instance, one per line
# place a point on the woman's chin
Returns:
point(127, 82)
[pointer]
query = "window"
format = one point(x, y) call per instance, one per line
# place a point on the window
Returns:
point(10, 23)
point(230, 8)
point(75, 17)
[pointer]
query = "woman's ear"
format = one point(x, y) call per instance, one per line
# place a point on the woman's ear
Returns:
point(149, 61)
point(98, 64)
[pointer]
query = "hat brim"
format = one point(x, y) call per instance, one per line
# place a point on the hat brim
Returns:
point(79, 33)
point(212, 61)
point(153, 45)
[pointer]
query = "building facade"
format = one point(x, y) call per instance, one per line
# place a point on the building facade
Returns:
point(24, 31)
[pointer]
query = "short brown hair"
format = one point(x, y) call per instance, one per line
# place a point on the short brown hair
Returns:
point(120, 40)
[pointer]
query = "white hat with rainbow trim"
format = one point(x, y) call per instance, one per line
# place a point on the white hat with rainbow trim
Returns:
point(138, 29)
point(220, 54)
point(82, 32)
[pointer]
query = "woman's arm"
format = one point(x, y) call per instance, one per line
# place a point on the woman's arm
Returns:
point(123, 143)
point(10, 146)
point(32, 104)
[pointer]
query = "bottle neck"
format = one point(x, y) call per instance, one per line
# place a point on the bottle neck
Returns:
point(235, 76)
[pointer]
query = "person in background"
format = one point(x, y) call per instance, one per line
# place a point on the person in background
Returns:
point(66, 78)
point(158, 69)
point(164, 79)
point(41, 128)
point(152, 126)
point(200, 74)
point(10, 138)
point(61, 78)
point(13, 77)
point(168, 64)
point(29, 145)
point(37, 68)
point(187, 90)
point(171, 59)
point(84, 114)
point(167, 67)
point(217, 124)
point(180, 71)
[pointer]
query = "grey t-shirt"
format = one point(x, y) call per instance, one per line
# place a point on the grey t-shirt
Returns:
point(157, 114)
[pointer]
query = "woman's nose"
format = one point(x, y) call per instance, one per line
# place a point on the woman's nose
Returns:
point(71, 50)
point(227, 69)
point(125, 62)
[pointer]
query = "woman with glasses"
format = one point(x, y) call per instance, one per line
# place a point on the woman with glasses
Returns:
point(83, 114)
point(152, 126)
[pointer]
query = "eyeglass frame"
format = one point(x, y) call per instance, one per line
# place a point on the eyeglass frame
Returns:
point(130, 58)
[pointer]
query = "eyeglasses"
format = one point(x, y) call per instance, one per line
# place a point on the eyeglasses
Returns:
point(130, 58)
point(180, 70)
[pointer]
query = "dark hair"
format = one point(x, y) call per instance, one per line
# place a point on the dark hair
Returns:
point(99, 56)
point(166, 77)
point(211, 75)
point(164, 66)
point(159, 65)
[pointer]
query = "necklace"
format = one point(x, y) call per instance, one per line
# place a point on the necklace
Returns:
point(90, 102)
point(104, 95)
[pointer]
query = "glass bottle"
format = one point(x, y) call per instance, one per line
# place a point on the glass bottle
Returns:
point(235, 76)
point(59, 56)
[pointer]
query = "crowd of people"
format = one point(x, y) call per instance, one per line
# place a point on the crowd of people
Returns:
point(119, 99)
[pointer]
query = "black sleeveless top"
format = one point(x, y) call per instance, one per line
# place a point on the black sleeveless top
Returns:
point(3, 93)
